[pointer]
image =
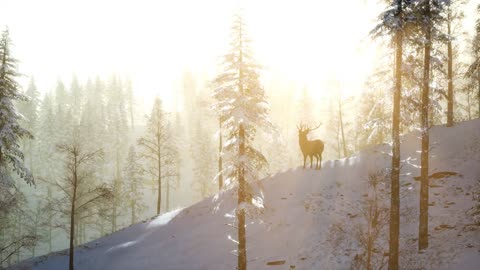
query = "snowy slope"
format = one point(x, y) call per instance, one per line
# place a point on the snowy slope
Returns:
point(304, 209)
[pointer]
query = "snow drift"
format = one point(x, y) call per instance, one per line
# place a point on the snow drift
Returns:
point(310, 216)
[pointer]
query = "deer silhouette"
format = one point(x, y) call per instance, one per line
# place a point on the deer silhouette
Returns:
point(310, 148)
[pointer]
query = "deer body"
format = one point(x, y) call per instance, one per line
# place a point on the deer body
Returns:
point(312, 149)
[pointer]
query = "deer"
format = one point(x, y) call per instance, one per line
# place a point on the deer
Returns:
point(310, 148)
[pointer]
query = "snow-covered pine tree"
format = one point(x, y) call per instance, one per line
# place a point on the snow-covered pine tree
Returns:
point(374, 116)
point(63, 121)
point(454, 15)
point(130, 102)
point(241, 102)
point(473, 72)
point(29, 110)
point(76, 99)
point(428, 13)
point(47, 139)
point(393, 23)
point(117, 126)
point(11, 156)
point(203, 152)
point(305, 107)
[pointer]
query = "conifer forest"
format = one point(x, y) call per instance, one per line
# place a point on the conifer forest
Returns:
point(239, 134)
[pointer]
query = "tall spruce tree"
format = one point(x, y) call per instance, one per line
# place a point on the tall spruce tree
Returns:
point(428, 16)
point(473, 72)
point(117, 125)
point(203, 152)
point(241, 102)
point(11, 156)
point(392, 23)
point(29, 110)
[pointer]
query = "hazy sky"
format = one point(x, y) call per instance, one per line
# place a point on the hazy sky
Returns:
point(154, 42)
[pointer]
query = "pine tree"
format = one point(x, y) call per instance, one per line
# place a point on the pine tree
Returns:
point(375, 109)
point(47, 139)
point(242, 104)
point(76, 96)
point(202, 152)
point(393, 23)
point(428, 16)
point(220, 158)
point(130, 102)
point(62, 111)
point(11, 156)
point(29, 110)
point(305, 108)
point(134, 185)
point(453, 20)
point(117, 128)
point(473, 72)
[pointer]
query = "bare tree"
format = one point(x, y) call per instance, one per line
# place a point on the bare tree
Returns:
point(375, 214)
point(79, 194)
point(157, 149)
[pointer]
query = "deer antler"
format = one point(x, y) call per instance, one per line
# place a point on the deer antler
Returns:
point(302, 127)
point(310, 129)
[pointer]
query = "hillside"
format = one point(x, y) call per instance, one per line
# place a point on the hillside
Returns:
point(311, 218)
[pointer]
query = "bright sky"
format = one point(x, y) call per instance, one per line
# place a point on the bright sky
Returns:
point(154, 42)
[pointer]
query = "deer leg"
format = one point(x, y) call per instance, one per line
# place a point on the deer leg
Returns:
point(311, 159)
point(320, 161)
point(304, 160)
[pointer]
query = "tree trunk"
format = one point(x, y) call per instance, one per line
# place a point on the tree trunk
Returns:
point(114, 205)
point(423, 224)
point(132, 123)
point(102, 228)
point(341, 127)
point(132, 205)
point(159, 180)
point(469, 106)
point(19, 227)
point(478, 76)
point(31, 155)
point(450, 71)
point(72, 216)
point(369, 252)
point(242, 240)
point(167, 195)
point(220, 165)
point(117, 185)
point(395, 174)
point(49, 223)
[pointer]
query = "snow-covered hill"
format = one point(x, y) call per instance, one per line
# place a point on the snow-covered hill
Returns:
point(311, 218)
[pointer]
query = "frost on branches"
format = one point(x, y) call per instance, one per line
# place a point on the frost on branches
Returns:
point(11, 157)
point(242, 106)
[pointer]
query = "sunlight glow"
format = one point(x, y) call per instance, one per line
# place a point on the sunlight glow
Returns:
point(155, 42)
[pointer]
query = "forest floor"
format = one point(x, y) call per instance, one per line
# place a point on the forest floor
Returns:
point(314, 219)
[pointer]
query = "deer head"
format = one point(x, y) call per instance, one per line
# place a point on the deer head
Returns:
point(304, 129)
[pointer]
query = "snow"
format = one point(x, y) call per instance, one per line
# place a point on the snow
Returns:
point(301, 210)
